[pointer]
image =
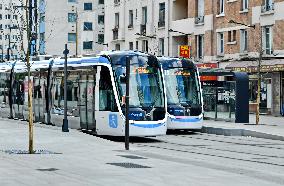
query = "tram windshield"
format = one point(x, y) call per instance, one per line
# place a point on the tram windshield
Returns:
point(182, 87)
point(146, 88)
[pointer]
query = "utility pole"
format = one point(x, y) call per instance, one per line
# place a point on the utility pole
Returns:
point(259, 79)
point(2, 48)
point(76, 32)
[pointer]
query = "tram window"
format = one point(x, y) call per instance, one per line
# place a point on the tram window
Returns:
point(107, 99)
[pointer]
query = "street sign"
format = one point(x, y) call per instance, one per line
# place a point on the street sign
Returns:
point(184, 51)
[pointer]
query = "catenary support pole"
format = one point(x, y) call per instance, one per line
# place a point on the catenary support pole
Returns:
point(127, 103)
point(65, 120)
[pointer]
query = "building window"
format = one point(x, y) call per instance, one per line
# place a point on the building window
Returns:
point(88, 26)
point(221, 6)
point(137, 45)
point(268, 5)
point(267, 39)
point(244, 4)
point(162, 15)
point(101, 2)
point(71, 37)
point(145, 46)
point(117, 46)
point(232, 36)
point(130, 19)
point(101, 19)
point(244, 40)
point(116, 20)
point(71, 17)
point(87, 45)
point(144, 15)
point(161, 46)
point(88, 6)
point(101, 38)
point(130, 45)
point(220, 43)
point(199, 46)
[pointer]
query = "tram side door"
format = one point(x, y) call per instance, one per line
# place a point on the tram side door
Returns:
point(108, 120)
point(86, 101)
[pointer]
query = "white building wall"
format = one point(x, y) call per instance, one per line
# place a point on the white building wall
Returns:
point(57, 26)
point(18, 35)
point(126, 34)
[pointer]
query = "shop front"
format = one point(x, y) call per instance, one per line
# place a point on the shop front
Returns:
point(272, 84)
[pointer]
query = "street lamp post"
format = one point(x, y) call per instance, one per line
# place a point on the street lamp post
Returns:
point(258, 70)
point(65, 120)
point(127, 103)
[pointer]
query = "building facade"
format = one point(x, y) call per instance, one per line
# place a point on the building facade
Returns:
point(78, 23)
point(12, 30)
point(229, 33)
point(138, 25)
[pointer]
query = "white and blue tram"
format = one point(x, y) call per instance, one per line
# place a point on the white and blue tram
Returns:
point(95, 93)
point(184, 93)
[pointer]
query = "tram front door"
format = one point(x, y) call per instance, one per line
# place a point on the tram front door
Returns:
point(86, 102)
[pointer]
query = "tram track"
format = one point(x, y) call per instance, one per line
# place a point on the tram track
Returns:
point(224, 150)
point(209, 154)
point(238, 143)
point(173, 143)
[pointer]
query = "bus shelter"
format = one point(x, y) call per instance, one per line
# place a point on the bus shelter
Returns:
point(225, 94)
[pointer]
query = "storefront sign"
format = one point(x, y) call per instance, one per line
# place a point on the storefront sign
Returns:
point(207, 65)
point(263, 68)
point(184, 51)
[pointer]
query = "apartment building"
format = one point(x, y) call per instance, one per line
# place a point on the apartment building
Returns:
point(78, 23)
point(138, 25)
point(244, 29)
point(12, 34)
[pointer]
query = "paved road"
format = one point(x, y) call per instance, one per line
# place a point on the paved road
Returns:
point(176, 159)
point(259, 161)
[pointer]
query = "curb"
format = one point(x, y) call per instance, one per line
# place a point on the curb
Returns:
point(240, 132)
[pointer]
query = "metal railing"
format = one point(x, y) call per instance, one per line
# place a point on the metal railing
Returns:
point(143, 29)
point(115, 33)
point(267, 7)
point(199, 20)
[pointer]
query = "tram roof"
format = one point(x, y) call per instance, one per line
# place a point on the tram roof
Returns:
point(6, 66)
point(123, 52)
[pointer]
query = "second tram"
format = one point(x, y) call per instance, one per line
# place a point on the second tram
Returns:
point(184, 93)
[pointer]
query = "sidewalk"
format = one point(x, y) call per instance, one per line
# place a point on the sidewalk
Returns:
point(78, 159)
point(270, 127)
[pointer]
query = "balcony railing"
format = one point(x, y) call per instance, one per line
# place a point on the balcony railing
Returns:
point(267, 7)
point(199, 20)
point(143, 29)
point(130, 26)
point(115, 33)
point(161, 24)
point(116, 2)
